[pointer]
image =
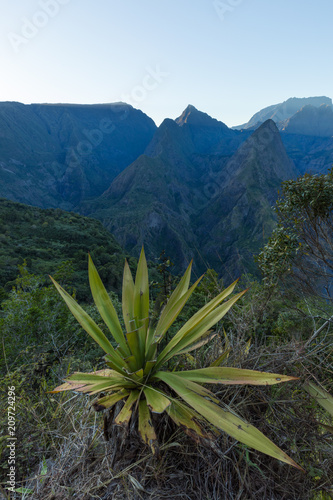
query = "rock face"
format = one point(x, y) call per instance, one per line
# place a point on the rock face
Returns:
point(312, 121)
point(284, 110)
point(59, 155)
point(208, 207)
point(234, 225)
point(192, 187)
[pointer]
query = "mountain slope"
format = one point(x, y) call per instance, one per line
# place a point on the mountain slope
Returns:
point(48, 238)
point(235, 223)
point(284, 110)
point(58, 155)
point(187, 203)
point(312, 121)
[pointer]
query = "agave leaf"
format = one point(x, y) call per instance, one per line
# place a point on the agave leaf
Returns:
point(125, 413)
point(186, 336)
point(170, 311)
point(103, 386)
point(167, 319)
point(149, 366)
point(132, 364)
point(226, 421)
point(110, 400)
point(90, 327)
point(186, 418)
point(106, 308)
point(146, 428)
point(188, 384)
point(127, 297)
point(320, 395)
point(156, 399)
point(180, 289)
point(67, 386)
point(134, 339)
point(111, 375)
point(208, 337)
point(232, 376)
point(141, 289)
point(141, 304)
point(221, 358)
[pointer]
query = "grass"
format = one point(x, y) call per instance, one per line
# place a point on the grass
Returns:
point(81, 463)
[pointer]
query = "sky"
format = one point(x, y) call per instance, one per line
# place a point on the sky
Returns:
point(228, 58)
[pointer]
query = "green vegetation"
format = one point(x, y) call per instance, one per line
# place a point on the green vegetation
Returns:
point(300, 250)
point(136, 366)
point(46, 239)
point(66, 450)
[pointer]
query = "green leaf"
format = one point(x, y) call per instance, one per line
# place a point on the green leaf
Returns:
point(127, 298)
point(186, 418)
point(232, 376)
point(110, 400)
point(146, 428)
point(125, 413)
point(134, 341)
point(320, 395)
point(187, 384)
point(90, 327)
point(156, 399)
point(141, 304)
point(194, 330)
point(221, 358)
point(141, 290)
point(106, 308)
point(224, 420)
point(170, 315)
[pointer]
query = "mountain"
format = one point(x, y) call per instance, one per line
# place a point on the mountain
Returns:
point(234, 225)
point(312, 121)
point(192, 187)
point(306, 127)
point(284, 110)
point(50, 238)
point(191, 205)
point(57, 155)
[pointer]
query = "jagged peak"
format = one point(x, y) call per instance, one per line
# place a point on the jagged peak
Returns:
point(192, 116)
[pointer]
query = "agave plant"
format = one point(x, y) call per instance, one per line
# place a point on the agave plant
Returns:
point(136, 370)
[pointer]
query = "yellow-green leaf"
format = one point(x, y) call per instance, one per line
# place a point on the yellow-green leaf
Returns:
point(125, 413)
point(146, 428)
point(156, 399)
point(110, 400)
point(170, 314)
point(127, 298)
point(141, 290)
point(232, 376)
point(195, 330)
point(90, 326)
point(226, 421)
point(320, 395)
point(106, 308)
point(186, 418)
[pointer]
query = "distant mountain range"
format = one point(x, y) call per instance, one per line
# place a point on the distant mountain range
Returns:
point(57, 155)
point(192, 186)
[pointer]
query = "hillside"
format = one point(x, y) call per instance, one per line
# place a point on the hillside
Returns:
point(189, 204)
point(48, 238)
point(56, 155)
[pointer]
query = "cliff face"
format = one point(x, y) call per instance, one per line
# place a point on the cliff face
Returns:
point(59, 155)
point(211, 208)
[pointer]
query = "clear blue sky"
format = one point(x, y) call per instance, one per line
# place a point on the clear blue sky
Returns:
point(229, 58)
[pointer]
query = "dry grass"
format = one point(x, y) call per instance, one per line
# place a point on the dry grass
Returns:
point(85, 466)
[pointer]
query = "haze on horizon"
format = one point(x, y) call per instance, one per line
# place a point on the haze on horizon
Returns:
point(229, 58)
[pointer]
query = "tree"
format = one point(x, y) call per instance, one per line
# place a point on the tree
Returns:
point(300, 250)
